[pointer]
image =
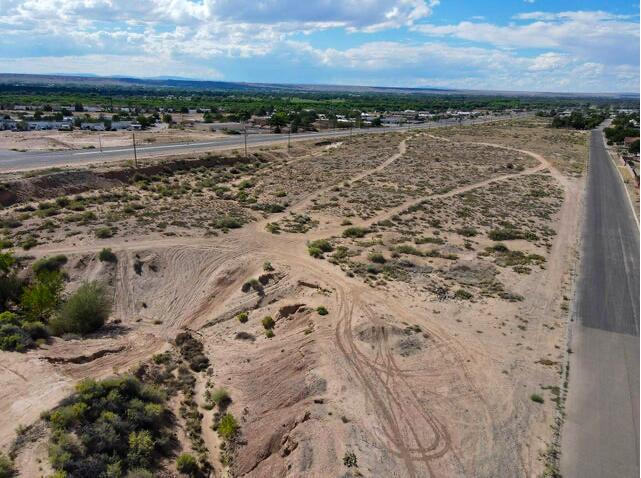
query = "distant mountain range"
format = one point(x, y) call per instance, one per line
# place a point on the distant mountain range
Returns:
point(187, 84)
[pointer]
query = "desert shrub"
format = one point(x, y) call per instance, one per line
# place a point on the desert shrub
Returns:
point(318, 247)
point(407, 249)
point(221, 397)
point(535, 397)
point(192, 351)
point(463, 294)
point(106, 255)
point(242, 317)
point(467, 231)
point(227, 222)
point(49, 264)
point(252, 284)
point(268, 322)
point(85, 311)
point(14, 338)
point(315, 252)
point(103, 232)
point(28, 242)
point(323, 244)
point(350, 460)
point(187, 464)
point(269, 333)
point(510, 233)
point(322, 310)
point(6, 467)
point(245, 336)
point(355, 232)
point(273, 227)
point(377, 257)
point(108, 428)
point(227, 427)
point(36, 330)
point(267, 266)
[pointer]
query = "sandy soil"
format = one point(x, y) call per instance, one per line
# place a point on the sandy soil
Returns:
point(60, 140)
point(413, 383)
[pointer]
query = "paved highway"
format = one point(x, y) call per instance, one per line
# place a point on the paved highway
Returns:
point(601, 432)
point(19, 161)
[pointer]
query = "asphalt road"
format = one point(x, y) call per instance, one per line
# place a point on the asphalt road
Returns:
point(22, 161)
point(601, 432)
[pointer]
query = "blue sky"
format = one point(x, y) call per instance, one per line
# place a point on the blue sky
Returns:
point(532, 45)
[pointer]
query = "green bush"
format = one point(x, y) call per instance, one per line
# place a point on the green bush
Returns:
point(322, 310)
point(85, 311)
point(104, 232)
point(268, 323)
point(187, 464)
point(349, 459)
point(323, 244)
point(6, 467)
point(221, 397)
point(535, 397)
point(467, 231)
point(227, 427)
point(269, 333)
point(242, 317)
point(106, 255)
point(49, 264)
point(463, 294)
point(318, 247)
point(407, 249)
point(227, 222)
point(13, 338)
point(192, 350)
point(377, 257)
point(355, 232)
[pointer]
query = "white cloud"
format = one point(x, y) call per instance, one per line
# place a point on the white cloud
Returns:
point(549, 61)
point(590, 36)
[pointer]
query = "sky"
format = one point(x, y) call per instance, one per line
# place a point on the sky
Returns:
point(518, 45)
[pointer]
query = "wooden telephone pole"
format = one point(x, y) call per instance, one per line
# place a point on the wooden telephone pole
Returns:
point(133, 135)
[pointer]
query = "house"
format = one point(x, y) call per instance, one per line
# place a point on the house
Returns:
point(43, 125)
point(116, 125)
point(8, 124)
point(135, 126)
point(92, 126)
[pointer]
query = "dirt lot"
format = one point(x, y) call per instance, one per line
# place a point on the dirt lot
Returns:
point(412, 343)
point(60, 140)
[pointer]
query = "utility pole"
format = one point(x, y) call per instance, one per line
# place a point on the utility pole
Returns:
point(100, 142)
point(133, 135)
point(245, 133)
point(289, 137)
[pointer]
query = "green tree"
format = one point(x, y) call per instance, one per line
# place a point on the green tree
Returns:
point(42, 298)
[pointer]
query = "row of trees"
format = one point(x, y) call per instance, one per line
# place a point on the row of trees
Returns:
point(579, 120)
point(624, 125)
